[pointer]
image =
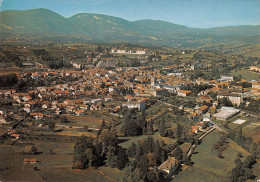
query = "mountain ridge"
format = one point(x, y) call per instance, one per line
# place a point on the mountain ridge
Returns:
point(110, 28)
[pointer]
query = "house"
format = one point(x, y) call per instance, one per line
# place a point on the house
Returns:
point(256, 85)
point(80, 113)
point(184, 93)
point(94, 101)
point(27, 109)
point(2, 119)
point(26, 98)
point(140, 52)
point(170, 165)
point(15, 136)
point(195, 129)
point(204, 98)
point(37, 115)
point(202, 110)
point(29, 161)
point(212, 110)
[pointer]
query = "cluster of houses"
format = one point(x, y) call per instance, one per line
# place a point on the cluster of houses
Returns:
point(132, 85)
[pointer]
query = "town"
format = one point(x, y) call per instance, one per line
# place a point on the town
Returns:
point(103, 112)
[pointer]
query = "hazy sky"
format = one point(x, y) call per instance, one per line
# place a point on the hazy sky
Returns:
point(192, 13)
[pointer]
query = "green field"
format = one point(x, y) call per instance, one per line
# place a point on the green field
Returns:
point(51, 167)
point(246, 74)
point(128, 140)
point(207, 166)
point(250, 128)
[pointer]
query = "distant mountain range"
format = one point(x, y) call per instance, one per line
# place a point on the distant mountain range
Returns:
point(104, 28)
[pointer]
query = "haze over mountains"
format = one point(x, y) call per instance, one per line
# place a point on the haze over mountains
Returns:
point(104, 28)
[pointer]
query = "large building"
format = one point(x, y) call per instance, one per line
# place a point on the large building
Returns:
point(236, 99)
point(122, 51)
point(226, 113)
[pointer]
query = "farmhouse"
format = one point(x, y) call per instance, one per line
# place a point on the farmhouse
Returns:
point(170, 165)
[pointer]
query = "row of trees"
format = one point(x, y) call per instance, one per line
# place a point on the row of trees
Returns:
point(58, 64)
point(8, 80)
point(253, 106)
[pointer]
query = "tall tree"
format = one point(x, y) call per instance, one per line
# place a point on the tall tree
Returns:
point(128, 175)
point(122, 158)
point(143, 165)
point(178, 132)
point(111, 157)
point(130, 128)
point(150, 127)
point(149, 145)
point(51, 125)
point(139, 152)
point(34, 150)
point(177, 153)
point(131, 151)
point(162, 128)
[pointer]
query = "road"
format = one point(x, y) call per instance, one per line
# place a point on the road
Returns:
point(168, 104)
point(192, 148)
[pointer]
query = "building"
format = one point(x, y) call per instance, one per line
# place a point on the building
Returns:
point(153, 82)
point(184, 93)
point(195, 129)
point(226, 78)
point(202, 110)
point(256, 85)
point(27, 64)
point(236, 99)
point(226, 113)
point(140, 52)
point(122, 51)
point(255, 68)
point(80, 112)
point(107, 63)
point(140, 105)
point(119, 51)
point(29, 161)
point(170, 165)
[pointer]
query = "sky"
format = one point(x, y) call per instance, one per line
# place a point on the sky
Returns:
point(192, 13)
